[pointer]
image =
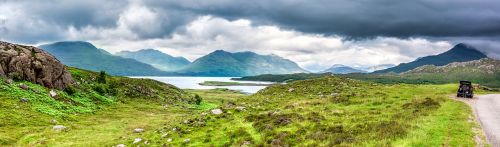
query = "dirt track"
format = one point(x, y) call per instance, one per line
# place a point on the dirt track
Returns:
point(487, 111)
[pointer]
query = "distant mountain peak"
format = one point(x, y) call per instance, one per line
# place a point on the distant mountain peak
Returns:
point(220, 51)
point(463, 45)
point(156, 58)
point(79, 43)
point(342, 69)
point(223, 63)
point(84, 55)
point(459, 53)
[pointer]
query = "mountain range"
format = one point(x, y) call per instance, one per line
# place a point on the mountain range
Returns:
point(86, 56)
point(223, 63)
point(150, 62)
point(156, 59)
point(459, 53)
point(342, 69)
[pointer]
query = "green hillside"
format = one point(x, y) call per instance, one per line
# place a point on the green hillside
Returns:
point(485, 72)
point(86, 56)
point(34, 110)
point(459, 53)
point(156, 59)
point(222, 63)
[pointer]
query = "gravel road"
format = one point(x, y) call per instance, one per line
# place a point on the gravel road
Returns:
point(487, 109)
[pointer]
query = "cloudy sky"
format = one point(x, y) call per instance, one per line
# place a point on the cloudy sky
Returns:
point(314, 33)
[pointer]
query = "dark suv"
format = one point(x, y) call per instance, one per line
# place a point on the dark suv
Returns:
point(465, 89)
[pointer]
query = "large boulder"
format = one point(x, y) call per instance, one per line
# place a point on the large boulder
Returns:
point(34, 65)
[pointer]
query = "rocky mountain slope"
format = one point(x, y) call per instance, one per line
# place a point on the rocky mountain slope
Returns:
point(485, 65)
point(156, 59)
point(32, 64)
point(86, 56)
point(222, 63)
point(460, 53)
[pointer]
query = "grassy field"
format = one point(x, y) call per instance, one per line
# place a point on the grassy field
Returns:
point(333, 112)
point(328, 111)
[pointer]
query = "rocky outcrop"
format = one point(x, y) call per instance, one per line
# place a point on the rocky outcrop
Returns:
point(34, 65)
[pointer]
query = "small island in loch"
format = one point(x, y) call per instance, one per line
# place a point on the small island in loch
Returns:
point(221, 83)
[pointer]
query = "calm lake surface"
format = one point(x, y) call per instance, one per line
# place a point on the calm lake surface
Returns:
point(192, 83)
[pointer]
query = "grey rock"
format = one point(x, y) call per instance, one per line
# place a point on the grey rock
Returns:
point(24, 100)
point(23, 86)
point(137, 140)
point(9, 81)
point(240, 108)
point(187, 140)
point(164, 135)
point(291, 90)
point(58, 128)
point(217, 111)
point(34, 65)
point(138, 130)
point(120, 145)
point(52, 93)
point(169, 140)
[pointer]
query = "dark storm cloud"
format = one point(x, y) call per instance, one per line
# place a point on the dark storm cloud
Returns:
point(349, 18)
point(362, 18)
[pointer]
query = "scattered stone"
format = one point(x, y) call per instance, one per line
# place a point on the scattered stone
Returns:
point(138, 130)
point(240, 108)
point(23, 86)
point(169, 140)
point(291, 90)
point(120, 145)
point(146, 142)
point(174, 129)
point(246, 143)
point(52, 93)
point(204, 114)
point(334, 94)
point(24, 100)
point(164, 135)
point(53, 121)
point(137, 140)
point(9, 81)
point(165, 106)
point(216, 111)
point(187, 140)
point(58, 128)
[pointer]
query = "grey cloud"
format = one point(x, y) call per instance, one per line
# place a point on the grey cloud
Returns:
point(361, 18)
point(48, 20)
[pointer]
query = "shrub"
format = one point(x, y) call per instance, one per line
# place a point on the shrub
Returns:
point(102, 77)
point(197, 99)
point(70, 90)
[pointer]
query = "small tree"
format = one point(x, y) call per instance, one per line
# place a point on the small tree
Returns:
point(197, 99)
point(102, 77)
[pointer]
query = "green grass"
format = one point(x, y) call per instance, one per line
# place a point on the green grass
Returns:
point(327, 111)
point(23, 121)
point(306, 113)
point(445, 127)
